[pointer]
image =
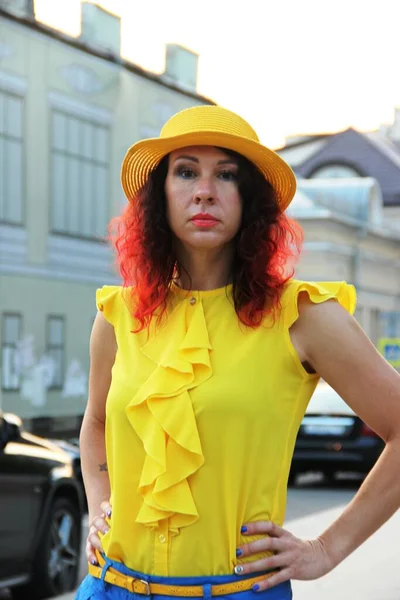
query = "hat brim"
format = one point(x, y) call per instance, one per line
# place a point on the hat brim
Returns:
point(144, 156)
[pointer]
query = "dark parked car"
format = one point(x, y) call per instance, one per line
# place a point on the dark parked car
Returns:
point(71, 447)
point(41, 508)
point(332, 438)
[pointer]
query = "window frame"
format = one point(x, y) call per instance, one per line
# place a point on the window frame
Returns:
point(55, 346)
point(8, 93)
point(346, 164)
point(67, 155)
point(4, 345)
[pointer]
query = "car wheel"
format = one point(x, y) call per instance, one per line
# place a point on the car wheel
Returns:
point(56, 566)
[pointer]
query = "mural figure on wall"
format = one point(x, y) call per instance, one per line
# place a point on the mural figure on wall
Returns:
point(37, 376)
point(76, 381)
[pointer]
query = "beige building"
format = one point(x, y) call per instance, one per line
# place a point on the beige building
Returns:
point(352, 154)
point(347, 238)
point(69, 109)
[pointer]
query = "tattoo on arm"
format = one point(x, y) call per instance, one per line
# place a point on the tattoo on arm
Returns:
point(103, 467)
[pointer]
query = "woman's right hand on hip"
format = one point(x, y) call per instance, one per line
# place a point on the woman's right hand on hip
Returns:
point(98, 526)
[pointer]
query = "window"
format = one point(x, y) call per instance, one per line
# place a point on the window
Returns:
point(80, 176)
point(11, 168)
point(11, 335)
point(55, 349)
point(390, 324)
point(334, 171)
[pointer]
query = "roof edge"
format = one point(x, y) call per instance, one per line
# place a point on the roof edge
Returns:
point(107, 56)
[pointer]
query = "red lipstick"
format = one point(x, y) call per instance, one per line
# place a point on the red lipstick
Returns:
point(204, 220)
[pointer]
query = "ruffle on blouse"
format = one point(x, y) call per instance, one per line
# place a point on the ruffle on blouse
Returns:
point(161, 413)
point(108, 301)
point(319, 292)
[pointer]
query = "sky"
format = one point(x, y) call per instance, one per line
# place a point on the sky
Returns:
point(287, 66)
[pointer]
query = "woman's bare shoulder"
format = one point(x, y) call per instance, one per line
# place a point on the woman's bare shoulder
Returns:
point(103, 343)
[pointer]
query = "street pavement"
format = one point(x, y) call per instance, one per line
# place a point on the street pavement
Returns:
point(370, 573)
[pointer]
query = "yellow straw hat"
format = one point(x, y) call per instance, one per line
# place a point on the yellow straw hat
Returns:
point(206, 126)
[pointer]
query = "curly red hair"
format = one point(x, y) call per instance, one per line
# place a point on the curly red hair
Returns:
point(267, 246)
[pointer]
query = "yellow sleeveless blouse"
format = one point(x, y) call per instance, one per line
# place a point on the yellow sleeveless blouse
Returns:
point(202, 418)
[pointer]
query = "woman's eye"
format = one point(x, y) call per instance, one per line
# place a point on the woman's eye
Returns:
point(185, 172)
point(228, 175)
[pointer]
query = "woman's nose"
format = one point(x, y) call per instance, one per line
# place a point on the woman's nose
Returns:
point(205, 193)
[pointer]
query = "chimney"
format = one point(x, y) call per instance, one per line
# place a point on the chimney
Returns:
point(101, 30)
point(19, 8)
point(181, 67)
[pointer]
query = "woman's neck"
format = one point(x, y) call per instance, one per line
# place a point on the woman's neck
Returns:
point(205, 270)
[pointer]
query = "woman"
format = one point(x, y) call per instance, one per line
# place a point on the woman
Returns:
point(204, 362)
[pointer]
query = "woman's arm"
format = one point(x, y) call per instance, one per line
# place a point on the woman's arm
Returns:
point(92, 438)
point(342, 354)
point(331, 341)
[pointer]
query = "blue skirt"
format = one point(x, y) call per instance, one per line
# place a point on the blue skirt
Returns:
point(93, 588)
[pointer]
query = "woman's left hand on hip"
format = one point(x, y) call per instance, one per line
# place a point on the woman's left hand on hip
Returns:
point(295, 558)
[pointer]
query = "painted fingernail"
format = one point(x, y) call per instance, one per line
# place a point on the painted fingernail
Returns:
point(93, 561)
point(243, 529)
point(109, 513)
point(238, 570)
point(256, 587)
point(239, 552)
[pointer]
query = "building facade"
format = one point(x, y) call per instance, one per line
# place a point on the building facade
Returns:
point(347, 239)
point(352, 154)
point(69, 109)
point(349, 186)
